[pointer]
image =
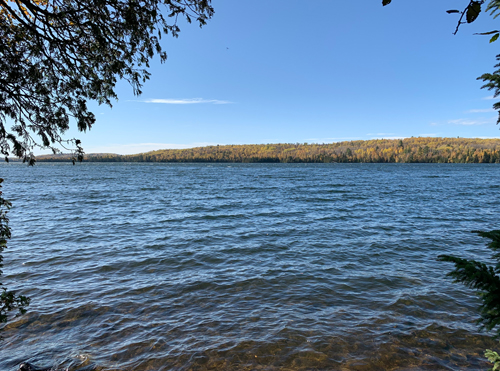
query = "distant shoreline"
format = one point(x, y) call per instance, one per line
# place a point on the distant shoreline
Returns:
point(408, 150)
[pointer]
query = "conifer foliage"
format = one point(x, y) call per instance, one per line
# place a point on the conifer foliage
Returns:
point(484, 278)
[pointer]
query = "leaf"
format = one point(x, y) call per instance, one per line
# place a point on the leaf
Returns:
point(473, 11)
point(452, 11)
point(386, 2)
point(494, 38)
point(487, 33)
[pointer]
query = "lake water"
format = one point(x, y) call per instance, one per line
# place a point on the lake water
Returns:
point(246, 266)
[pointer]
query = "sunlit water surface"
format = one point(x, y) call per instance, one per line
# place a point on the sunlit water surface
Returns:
point(246, 266)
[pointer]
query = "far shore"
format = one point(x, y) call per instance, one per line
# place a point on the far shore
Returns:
point(408, 150)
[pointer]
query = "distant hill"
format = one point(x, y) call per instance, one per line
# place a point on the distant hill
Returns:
point(409, 150)
point(67, 156)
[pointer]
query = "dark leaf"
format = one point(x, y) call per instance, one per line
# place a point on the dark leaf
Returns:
point(473, 11)
point(487, 33)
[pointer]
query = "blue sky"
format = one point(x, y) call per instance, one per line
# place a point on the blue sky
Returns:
point(308, 71)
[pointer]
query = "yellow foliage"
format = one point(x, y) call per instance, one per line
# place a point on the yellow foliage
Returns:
point(14, 9)
point(444, 150)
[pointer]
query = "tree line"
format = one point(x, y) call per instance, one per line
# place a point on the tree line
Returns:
point(408, 150)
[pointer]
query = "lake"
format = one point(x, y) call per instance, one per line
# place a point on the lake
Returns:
point(148, 266)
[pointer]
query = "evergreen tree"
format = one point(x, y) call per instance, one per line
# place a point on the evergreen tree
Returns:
point(485, 279)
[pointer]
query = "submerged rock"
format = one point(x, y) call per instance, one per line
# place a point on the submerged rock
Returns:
point(25, 366)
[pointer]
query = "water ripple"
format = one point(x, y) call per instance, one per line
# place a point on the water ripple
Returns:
point(247, 267)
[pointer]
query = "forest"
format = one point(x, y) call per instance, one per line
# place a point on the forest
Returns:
point(408, 150)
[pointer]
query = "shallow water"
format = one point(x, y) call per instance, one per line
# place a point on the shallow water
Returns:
point(246, 266)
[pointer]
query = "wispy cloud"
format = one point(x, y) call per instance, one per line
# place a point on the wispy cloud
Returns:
point(489, 97)
point(381, 134)
point(468, 122)
point(187, 101)
point(484, 110)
